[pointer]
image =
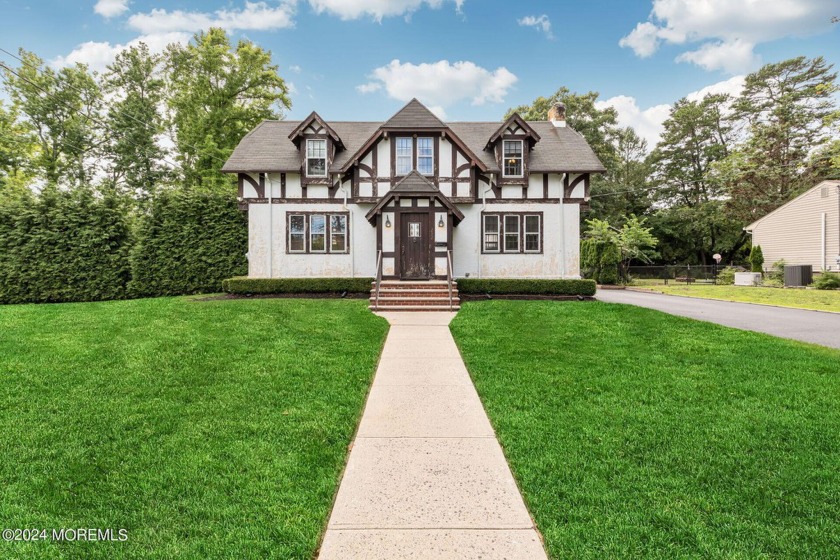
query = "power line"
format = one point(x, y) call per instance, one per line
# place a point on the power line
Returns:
point(83, 114)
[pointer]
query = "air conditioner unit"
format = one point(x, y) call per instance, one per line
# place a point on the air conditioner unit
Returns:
point(798, 275)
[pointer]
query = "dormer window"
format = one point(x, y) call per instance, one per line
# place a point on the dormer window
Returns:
point(316, 158)
point(512, 156)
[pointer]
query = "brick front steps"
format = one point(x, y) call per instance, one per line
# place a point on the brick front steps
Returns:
point(396, 295)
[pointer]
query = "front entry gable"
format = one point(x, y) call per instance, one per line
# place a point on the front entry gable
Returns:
point(415, 185)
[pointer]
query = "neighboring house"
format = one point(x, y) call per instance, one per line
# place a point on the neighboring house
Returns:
point(805, 230)
point(328, 199)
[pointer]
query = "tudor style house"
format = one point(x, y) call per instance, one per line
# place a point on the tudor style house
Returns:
point(414, 198)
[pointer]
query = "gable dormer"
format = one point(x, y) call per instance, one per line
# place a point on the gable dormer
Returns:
point(317, 143)
point(512, 144)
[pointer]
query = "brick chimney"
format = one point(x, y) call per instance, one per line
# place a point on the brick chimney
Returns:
point(557, 114)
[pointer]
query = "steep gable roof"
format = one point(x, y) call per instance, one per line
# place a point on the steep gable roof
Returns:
point(269, 147)
point(513, 120)
point(414, 115)
point(415, 184)
point(314, 117)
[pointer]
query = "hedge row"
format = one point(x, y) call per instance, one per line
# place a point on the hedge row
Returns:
point(244, 285)
point(187, 244)
point(63, 246)
point(78, 245)
point(526, 287)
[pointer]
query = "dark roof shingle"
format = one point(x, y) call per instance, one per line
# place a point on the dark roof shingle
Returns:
point(268, 148)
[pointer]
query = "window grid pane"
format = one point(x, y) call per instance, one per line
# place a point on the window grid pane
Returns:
point(338, 233)
point(511, 234)
point(317, 233)
point(512, 156)
point(491, 233)
point(532, 234)
point(532, 224)
point(316, 158)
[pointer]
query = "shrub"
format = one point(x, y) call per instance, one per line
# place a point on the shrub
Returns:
point(827, 281)
point(756, 259)
point(599, 260)
point(776, 276)
point(63, 246)
point(521, 286)
point(188, 243)
point(727, 275)
point(245, 285)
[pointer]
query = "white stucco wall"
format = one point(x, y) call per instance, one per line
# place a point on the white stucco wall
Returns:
point(560, 257)
point(561, 253)
point(270, 260)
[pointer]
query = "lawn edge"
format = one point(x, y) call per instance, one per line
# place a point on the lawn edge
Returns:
point(499, 442)
point(352, 443)
point(653, 291)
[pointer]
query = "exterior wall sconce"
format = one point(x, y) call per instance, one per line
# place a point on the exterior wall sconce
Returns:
point(387, 221)
point(440, 222)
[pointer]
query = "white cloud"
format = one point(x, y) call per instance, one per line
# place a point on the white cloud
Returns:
point(369, 87)
point(111, 8)
point(733, 87)
point(730, 56)
point(98, 55)
point(728, 30)
point(254, 16)
point(648, 122)
point(441, 84)
point(295, 68)
point(644, 39)
point(377, 9)
point(541, 23)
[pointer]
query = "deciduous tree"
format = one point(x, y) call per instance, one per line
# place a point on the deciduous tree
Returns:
point(216, 95)
point(60, 106)
point(135, 123)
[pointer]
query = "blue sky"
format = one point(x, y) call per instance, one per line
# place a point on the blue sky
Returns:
point(469, 59)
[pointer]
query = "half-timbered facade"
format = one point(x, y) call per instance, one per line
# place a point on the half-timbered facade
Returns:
point(332, 199)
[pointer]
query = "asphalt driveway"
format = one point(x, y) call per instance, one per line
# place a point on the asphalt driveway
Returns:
point(817, 327)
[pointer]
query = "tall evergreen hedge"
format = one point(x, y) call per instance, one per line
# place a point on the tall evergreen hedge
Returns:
point(188, 243)
point(63, 246)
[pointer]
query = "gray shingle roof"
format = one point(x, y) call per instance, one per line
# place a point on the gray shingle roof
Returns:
point(414, 115)
point(268, 148)
point(414, 182)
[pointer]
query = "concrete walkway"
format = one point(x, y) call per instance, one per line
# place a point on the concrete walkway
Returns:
point(816, 327)
point(426, 478)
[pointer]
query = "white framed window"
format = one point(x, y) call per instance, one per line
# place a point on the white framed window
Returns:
point(316, 157)
point(425, 156)
point(511, 222)
point(512, 232)
point(317, 233)
point(313, 232)
point(404, 156)
point(297, 233)
point(338, 233)
point(532, 233)
point(512, 158)
point(491, 233)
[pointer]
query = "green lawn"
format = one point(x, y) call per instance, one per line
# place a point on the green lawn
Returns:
point(822, 300)
point(633, 433)
point(207, 429)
